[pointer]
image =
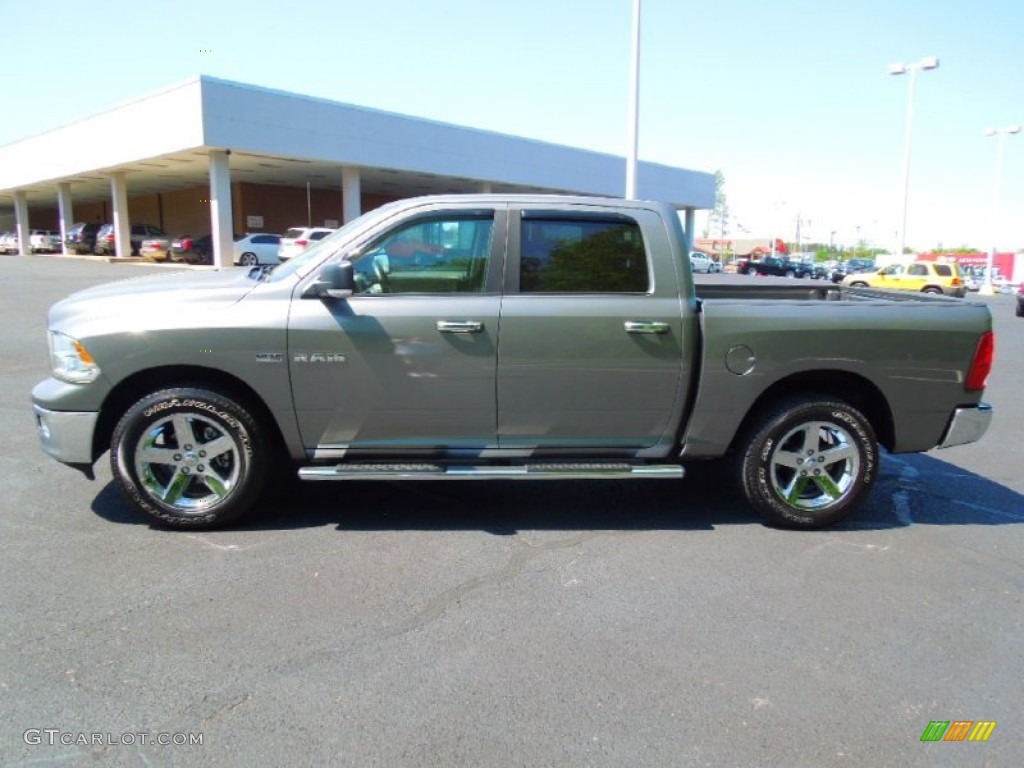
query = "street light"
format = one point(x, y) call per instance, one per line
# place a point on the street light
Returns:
point(1000, 134)
point(929, 62)
point(633, 127)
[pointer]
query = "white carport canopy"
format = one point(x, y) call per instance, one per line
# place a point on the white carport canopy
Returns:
point(210, 131)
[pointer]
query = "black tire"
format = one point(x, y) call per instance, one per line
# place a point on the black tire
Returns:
point(249, 260)
point(1020, 309)
point(808, 462)
point(932, 289)
point(189, 457)
point(858, 284)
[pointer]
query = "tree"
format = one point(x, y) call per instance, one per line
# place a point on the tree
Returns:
point(718, 220)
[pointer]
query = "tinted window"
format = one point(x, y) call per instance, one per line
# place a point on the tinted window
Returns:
point(318, 235)
point(582, 255)
point(442, 254)
point(943, 269)
point(917, 269)
point(266, 239)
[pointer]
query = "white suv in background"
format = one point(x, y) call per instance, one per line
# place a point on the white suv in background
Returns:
point(701, 262)
point(295, 240)
point(44, 241)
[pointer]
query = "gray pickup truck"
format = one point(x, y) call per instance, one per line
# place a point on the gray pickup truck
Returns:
point(503, 337)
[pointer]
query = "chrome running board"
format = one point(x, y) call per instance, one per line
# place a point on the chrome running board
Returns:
point(537, 471)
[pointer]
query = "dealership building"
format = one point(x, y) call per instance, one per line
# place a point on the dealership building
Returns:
point(220, 157)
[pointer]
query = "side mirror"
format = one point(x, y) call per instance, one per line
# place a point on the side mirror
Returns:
point(337, 281)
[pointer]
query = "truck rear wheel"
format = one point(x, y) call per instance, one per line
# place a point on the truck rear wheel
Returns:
point(189, 457)
point(809, 462)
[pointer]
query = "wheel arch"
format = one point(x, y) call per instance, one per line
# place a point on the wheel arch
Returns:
point(850, 387)
point(142, 383)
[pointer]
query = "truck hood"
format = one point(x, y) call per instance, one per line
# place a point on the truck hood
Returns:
point(145, 302)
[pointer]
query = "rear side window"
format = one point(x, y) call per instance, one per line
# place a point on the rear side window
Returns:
point(944, 269)
point(582, 255)
point(318, 235)
point(918, 270)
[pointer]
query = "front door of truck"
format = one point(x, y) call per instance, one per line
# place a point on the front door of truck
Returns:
point(409, 361)
point(591, 353)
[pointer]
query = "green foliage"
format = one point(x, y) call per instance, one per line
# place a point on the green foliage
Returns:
point(718, 221)
point(603, 262)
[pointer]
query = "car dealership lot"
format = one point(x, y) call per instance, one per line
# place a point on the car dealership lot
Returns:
point(506, 624)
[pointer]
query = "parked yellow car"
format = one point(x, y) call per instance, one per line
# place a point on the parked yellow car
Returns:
point(922, 276)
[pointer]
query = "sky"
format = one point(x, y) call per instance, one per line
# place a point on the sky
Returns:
point(791, 99)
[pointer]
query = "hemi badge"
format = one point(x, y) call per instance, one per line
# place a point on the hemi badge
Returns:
point(269, 357)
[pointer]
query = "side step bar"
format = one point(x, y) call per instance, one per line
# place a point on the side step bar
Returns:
point(540, 471)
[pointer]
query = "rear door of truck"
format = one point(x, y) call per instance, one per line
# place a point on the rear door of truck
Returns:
point(593, 351)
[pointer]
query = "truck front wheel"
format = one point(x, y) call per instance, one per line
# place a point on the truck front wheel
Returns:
point(808, 462)
point(189, 457)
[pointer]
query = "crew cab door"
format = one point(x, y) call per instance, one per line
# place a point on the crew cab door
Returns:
point(592, 347)
point(409, 361)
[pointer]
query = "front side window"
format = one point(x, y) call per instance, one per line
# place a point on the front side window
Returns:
point(439, 254)
point(582, 255)
point(917, 270)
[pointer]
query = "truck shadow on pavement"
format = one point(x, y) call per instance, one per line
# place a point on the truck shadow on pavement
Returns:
point(915, 489)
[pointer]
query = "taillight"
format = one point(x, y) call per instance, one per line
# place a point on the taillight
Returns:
point(956, 281)
point(303, 243)
point(981, 365)
point(186, 245)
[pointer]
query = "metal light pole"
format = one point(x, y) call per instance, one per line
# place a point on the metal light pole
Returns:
point(930, 62)
point(634, 107)
point(1000, 134)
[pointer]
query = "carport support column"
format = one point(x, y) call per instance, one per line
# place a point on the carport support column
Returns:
point(689, 221)
point(122, 222)
point(351, 192)
point(21, 221)
point(66, 213)
point(220, 208)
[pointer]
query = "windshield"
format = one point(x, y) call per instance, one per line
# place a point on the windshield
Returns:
point(330, 247)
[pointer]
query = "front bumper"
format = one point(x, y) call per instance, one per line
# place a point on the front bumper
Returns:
point(67, 436)
point(967, 425)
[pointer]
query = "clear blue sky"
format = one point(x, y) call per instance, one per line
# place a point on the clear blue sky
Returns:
point(790, 100)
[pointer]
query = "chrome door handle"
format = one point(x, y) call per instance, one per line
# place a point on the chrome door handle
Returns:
point(645, 326)
point(460, 326)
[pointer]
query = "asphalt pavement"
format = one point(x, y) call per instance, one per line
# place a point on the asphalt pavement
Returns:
point(505, 624)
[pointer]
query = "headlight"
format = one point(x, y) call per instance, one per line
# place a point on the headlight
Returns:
point(71, 361)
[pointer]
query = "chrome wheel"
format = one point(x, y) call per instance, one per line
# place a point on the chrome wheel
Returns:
point(249, 260)
point(814, 465)
point(808, 461)
point(187, 461)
